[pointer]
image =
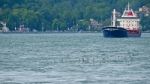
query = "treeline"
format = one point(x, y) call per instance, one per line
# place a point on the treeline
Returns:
point(53, 15)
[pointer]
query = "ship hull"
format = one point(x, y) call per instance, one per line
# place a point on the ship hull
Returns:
point(134, 33)
point(120, 32)
point(114, 32)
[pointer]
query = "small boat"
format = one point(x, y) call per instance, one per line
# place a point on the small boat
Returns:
point(128, 25)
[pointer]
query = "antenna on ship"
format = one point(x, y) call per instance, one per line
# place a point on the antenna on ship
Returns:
point(128, 6)
point(114, 18)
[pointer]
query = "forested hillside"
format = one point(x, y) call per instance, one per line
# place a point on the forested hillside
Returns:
point(52, 15)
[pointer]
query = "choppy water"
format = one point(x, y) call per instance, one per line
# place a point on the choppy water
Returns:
point(76, 58)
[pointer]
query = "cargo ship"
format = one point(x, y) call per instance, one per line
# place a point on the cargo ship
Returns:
point(128, 25)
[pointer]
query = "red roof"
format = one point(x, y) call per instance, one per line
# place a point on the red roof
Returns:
point(130, 13)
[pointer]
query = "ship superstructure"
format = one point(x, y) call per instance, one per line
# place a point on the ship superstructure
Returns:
point(128, 25)
point(130, 21)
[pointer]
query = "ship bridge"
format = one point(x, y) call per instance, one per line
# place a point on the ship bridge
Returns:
point(129, 19)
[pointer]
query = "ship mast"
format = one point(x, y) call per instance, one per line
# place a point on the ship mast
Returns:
point(128, 6)
point(114, 18)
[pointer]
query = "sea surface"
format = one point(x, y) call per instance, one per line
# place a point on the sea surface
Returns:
point(74, 58)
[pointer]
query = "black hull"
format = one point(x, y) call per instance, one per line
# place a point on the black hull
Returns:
point(114, 32)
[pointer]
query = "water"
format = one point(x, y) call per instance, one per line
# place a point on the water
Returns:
point(78, 58)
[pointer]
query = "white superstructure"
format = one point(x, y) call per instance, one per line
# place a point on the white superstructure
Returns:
point(129, 20)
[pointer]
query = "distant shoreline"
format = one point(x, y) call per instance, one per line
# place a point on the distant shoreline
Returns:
point(53, 32)
point(47, 32)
